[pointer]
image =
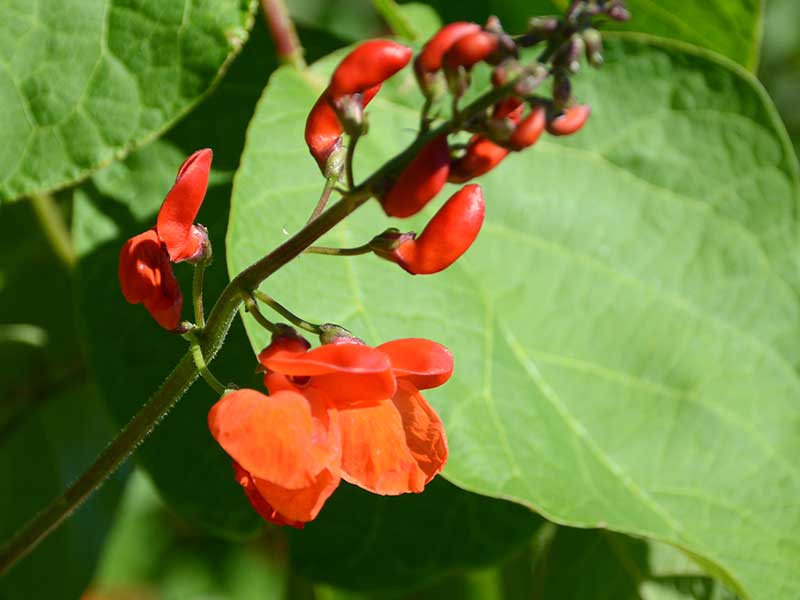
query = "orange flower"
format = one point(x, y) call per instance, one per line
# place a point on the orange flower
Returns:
point(145, 272)
point(340, 411)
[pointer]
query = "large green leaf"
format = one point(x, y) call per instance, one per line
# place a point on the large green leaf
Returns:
point(81, 83)
point(626, 328)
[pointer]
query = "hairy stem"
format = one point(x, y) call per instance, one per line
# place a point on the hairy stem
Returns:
point(197, 293)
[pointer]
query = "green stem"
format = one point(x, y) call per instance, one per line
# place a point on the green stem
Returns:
point(287, 44)
point(54, 228)
point(286, 313)
point(330, 183)
point(351, 151)
point(202, 367)
point(365, 249)
point(197, 293)
point(211, 340)
point(395, 19)
point(251, 306)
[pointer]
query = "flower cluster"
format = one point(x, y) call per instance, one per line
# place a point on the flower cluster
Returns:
point(343, 410)
point(444, 63)
point(145, 270)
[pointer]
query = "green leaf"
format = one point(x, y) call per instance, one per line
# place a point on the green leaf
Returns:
point(363, 541)
point(81, 84)
point(626, 328)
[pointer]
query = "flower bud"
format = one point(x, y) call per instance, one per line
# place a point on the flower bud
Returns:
point(370, 64)
point(446, 237)
point(570, 53)
point(350, 111)
point(543, 27)
point(482, 156)
point(202, 243)
point(594, 47)
point(420, 181)
point(430, 59)
point(470, 50)
point(529, 130)
point(324, 131)
point(618, 12)
point(570, 121)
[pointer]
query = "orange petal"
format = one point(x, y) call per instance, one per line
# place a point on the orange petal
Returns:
point(394, 447)
point(182, 204)
point(300, 505)
point(275, 438)
point(422, 362)
point(424, 430)
point(257, 501)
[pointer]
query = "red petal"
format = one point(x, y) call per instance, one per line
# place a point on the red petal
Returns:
point(394, 447)
point(422, 362)
point(145, 276)
point(275, 437)
point(368, 65)
point(348, 373)
point(430, 59)
point(181, 205)
point(257, 501)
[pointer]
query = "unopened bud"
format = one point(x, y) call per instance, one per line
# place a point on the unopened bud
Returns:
point(570, 55)
point(203, 252)
point(543, 27)
point(330, 333)
point(618, 12)
point(594, 47)
point(500, 130)
point(334, 165)
point(350, 111)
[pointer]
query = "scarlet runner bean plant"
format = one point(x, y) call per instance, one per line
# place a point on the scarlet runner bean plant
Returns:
point(344, 409)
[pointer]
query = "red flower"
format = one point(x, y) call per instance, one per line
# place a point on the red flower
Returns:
point(446, 237)
point(145, 272)
point(482, 156)
point(358, 76)
point(420, 181)
point(570, 121)
point(342, 410)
